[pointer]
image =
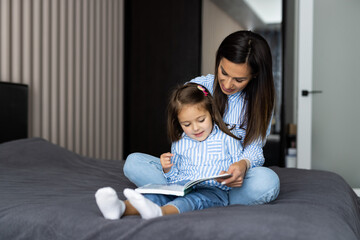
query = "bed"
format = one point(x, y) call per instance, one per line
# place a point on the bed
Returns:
point(47, 192)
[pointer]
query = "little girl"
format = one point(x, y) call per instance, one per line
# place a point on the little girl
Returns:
point(202, 146)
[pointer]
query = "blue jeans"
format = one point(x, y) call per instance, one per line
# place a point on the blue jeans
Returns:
point(200, 198)
point(261, 185)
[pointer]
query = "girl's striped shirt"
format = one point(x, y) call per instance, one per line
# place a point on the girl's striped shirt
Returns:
point(193, 159)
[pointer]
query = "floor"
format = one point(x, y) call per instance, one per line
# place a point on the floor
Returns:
point(357, 191)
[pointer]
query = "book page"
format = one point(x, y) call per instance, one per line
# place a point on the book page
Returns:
point(192, 183)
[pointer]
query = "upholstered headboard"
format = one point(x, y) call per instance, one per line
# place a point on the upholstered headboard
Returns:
point(13, 111)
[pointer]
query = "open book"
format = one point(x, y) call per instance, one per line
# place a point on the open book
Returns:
point(177, 189)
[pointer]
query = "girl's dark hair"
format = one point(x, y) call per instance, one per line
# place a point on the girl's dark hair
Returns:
point(252, 49)
point(192, 95)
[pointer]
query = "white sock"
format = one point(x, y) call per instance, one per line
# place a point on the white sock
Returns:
point(109, 203)
point(145, 207)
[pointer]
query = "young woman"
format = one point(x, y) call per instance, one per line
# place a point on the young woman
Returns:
point(243, 91)
point(202, 146)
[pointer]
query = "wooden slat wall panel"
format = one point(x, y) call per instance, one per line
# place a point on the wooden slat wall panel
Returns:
point(70, 53)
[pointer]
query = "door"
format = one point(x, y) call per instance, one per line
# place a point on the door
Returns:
point(328, 60)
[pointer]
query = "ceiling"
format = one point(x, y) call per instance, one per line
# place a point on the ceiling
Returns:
point(253, 14)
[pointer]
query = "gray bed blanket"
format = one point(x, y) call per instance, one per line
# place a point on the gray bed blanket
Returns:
point(47, 192)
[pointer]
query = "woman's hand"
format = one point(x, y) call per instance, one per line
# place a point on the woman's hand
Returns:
point(238, 171)
point(165, 160)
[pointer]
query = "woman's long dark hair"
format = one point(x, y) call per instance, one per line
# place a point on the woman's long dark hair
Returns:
point(252, 49)
point(192, 95)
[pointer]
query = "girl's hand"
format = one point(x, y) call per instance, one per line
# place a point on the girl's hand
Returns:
point(165, 160)
point(238, 171)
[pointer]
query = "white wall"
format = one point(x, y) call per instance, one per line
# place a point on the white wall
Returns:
point(216, 26)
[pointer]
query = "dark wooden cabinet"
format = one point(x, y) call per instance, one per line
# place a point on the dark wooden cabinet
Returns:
point(162, 49)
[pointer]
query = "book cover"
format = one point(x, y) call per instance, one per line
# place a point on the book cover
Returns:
point(177, 189)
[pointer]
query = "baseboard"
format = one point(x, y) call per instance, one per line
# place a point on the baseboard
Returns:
point(357, 191)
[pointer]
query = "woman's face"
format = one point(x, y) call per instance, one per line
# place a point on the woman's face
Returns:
point(233, 77)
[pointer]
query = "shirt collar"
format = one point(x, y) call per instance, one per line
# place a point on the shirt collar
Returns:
point(234, 97)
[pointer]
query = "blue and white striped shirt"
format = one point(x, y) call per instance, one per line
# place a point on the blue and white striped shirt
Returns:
point(194, 159)
point(234, 117)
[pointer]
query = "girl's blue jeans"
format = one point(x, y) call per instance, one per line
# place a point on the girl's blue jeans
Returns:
point(261, 185)
point(200, 198)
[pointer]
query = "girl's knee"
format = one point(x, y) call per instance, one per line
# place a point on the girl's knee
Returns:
point(132, 157)
point(131, 163)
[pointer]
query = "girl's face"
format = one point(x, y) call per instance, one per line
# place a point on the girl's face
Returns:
point(195, 121)
point(233, 77)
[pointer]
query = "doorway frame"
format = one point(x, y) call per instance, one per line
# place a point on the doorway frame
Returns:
point(304, 78)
